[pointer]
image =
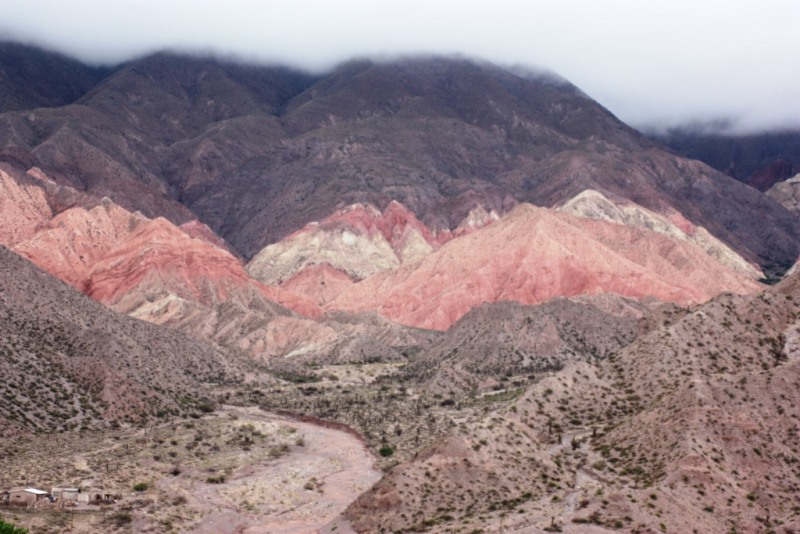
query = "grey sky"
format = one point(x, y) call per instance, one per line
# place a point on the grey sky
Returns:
point(663, 62)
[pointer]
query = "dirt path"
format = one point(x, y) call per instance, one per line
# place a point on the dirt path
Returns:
point(295, 494)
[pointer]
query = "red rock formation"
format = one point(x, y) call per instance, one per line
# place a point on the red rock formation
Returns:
point(477, 218)
point(159, 257)
point(397, 222)
point(321, 283)
point(200, 231)
point(534, 254)
point(107, 252)
point(592, 204)
point(359, 241)
point(70, 244)
point(184, 264)
point(23, 209)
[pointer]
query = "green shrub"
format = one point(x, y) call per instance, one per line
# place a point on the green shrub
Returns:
point(141, 486)
point(122, 518)
point(10, 528)
point(386, 451)
point(206, 407)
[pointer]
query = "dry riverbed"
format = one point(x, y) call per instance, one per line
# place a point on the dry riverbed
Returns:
point(241, 470)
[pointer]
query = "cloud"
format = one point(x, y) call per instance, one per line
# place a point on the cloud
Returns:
point(649, 62)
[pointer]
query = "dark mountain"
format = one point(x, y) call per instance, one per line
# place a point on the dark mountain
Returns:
point(258, 152)
point(68, 361)
point(479, 94)
point(34, 78)
point(759, 160)
point(172, 98)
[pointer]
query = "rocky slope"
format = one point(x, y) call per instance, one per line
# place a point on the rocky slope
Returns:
point(526, 140)
point(68, 361)
point(533, 254)
point(352, 244)
point(258, 152)
point(157, 260)
point(493, 341)
point(34, 78)
point(787, 194)
point(24, 209)
point(593, 205)
point(157, 272)
point(122, 259)
point(692, 427)
point(760, 159)
point(321, 283)
point(284, 341)
point(349, 241)
point(774, 173)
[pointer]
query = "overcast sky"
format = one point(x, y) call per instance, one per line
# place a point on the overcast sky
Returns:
point(648, 61)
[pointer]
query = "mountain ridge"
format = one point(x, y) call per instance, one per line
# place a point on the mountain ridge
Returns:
point(257, 152)
point(533, 254)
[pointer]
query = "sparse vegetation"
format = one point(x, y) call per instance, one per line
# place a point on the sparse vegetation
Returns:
point(10, 528)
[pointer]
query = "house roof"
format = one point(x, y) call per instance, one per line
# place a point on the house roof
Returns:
point(29, 490)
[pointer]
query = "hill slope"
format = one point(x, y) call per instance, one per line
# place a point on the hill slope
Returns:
point(759, 160)
point(34, 78)
point(158, 272)
point(504, 339)
point(693, 426)
point(533, 254)
point(69, 361)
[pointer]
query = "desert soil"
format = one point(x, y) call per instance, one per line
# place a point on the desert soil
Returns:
point(298, 493)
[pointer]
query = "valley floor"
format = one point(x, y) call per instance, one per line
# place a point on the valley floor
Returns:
point(249, 472)
point(295, 494)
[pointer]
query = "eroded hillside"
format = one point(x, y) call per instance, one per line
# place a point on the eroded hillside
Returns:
point(691, 427)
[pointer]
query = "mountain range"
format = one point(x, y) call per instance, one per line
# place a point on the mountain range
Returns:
point(258, 152)
point(178, 227)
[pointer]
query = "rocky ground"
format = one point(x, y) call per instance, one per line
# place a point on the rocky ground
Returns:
point(239, 470)
point(691, 428)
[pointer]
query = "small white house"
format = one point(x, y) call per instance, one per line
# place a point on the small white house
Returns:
point(26, 495)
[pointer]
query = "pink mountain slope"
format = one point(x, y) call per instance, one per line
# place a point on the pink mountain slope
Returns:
point(320, 283)
point(533, 254)
point(23, 209)
point(107, 252)
point(397, 224)
point(352, 244)
point(159, 254)
point(73, 241)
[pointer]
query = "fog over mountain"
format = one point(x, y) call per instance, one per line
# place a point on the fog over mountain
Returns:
point(663, 64)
